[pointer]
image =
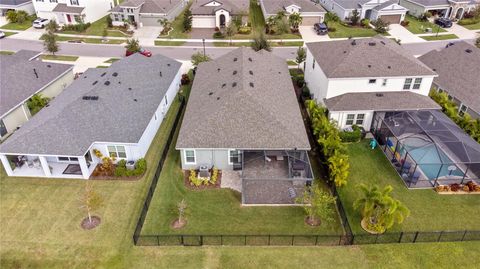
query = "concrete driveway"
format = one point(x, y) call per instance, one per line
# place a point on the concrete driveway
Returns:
point(461, 32)
point(399, 32)
point(146, 35)
point(309, 35)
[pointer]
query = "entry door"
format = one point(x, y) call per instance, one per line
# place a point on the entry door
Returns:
point(69, 18)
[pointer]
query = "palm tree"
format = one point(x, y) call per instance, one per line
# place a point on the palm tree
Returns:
point(133, 45)
point(165, 23)
point(295, 20)
point(260, 42)
point(270, 23)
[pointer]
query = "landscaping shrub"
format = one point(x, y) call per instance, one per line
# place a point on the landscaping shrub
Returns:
point(306, 91)
point(122, 171)
point(365, 23)
point(218, 35)
point(22, 16)
point(12, 16)
point(80, 27)
point(194, 180)
point(468, 21)
point(245, 30)
point(122, 163)
point(185, 79)
point(353, 136)
point(214, 177)
point(332, 29)
point(405, 23)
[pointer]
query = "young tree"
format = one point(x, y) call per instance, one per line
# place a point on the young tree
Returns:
point(231, 30)
point(270, 24)
point(22, 16)
point(295, 20)
point(339, 167)
point(187, 21)
point(381, 26)
point(198, 58)
point(317, 204)
point(260, 42)
point(355, 18)
point(52, 26)
point(301, 56)
point(91, 200)
point(182, 207)
point(331, 17)
point(50, 42)
point(133, 45)
point(165, 23)
point(379, 210)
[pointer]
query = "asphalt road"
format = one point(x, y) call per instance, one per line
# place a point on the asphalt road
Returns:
point(180, 53)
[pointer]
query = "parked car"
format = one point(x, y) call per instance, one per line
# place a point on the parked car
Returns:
point(142, 51)
point(2, 34)
point(40, 23)
point(320, 28)
point(443, 22)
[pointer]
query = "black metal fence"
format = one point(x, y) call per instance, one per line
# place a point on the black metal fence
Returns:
point(158, 171)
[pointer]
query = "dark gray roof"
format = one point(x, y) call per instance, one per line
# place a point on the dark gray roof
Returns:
point(369, 57)
point(243, 100)
point(389, 3)
point(17, 77)
point(458, 72)
point(274, 6)
point(150, 6)
point(67, 9)
point(380, 101)
point(427, 3)
point(233, 6)
point(120, 115)
point(13, 2)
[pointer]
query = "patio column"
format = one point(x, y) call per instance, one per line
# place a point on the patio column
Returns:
point(45, 166)
point(83, 166)
point(6, 165)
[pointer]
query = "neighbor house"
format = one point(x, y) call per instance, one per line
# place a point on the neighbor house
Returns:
point(357, 79)
point(458, 68)
point(146, 12)
point(213, 13)
point(25, 5)
point(310, 12)
point(452, 9)
point(22, 76)
point(116, 111)
point(243, 117)
point(72, 11)
point(387, 10)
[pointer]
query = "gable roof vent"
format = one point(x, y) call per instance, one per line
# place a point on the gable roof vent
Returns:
point(107, 83)
point(468, 51)
point(379, 94)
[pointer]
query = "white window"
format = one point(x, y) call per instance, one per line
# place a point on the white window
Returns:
point(360, 118)
point(67, 159)
point(117, 151)
point(418, 82)
point(372, 81)
point(408, 84)
point(384, 83)
point(190, 157)
point(74, 2)
point(463, 109)
point(356, 119)
point(233, 156)
point(350, 119)
point(53, 1)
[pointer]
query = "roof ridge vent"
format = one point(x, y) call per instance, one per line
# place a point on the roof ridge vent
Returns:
point(90, 97)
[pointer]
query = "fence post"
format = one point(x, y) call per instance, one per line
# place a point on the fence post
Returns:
point(245, 241)
point(439, 236)
point(415, 238)
point(400, 239)
point(376, 238)
point(201, 240)
point(464, 234)
point(221, 240)
point(293, 239)
point(158, 240)
point(269, 240)
point(181, 240)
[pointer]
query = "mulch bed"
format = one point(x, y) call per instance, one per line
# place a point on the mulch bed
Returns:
point(312, 222)
point(87, 225)
point(186, 175)
point(176, 224)
point(101, 175)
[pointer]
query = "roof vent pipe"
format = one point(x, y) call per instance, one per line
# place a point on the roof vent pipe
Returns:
point(35, 72)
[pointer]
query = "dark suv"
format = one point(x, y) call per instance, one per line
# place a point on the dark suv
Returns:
point(443, 22)
point(320, 28)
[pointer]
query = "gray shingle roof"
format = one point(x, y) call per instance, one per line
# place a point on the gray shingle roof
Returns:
point(426, 3)
point(67, 9)
point(274, 6)
point(369, 57)
point(247, 103)
point(350, 4)
point(389, 3)
point(458, 72)
point(380, 101)
point(233, 6)
point(17, 77)
point(120, 115)
point(150, 6)
point(13, 2)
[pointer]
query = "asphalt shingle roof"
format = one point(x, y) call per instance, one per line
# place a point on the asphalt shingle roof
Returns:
point(389, 3)
point(380, 101)
point(67, 9)
point(235, 7)
point(243, 100)
point(350, 4)
point(458, 71)
point(369, 57)
point(274, 6)
point(137, 86)
point(13, 2)
point(150, 6)
point(17, 77)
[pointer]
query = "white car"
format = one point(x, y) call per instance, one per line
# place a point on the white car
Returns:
point(40, 23)
point(2, 34)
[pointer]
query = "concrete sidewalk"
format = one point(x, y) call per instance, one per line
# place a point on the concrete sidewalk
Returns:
point(399, 32)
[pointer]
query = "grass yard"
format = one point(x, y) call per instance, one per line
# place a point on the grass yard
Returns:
point(439, 37)
point(292, 63)
point(429, 210)
point(475, 26)
point(112, 60)
point(90, 40)
point(97, 28)
point(343, 31)
point(255, 16)
point(7, 34)
point(246, 44)
point(417, 26)
point(51, 57)
point(177, 25)
point(169, 43)
point(6, 52)
point(19, 26)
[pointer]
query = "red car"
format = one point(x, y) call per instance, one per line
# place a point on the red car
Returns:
point(142, 51)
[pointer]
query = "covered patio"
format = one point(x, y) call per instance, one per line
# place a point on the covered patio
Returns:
point(427, 149)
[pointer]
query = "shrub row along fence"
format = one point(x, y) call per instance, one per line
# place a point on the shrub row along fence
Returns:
point(158, 171)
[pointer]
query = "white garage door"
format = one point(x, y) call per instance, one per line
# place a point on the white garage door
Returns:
point(203, 22)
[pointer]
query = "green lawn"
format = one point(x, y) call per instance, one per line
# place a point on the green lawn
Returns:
point(439, 37)
point(169, 43)
point(429, 210)
point(418, 27)
point(255, 16)
point(292, 63)
point(90, 40)
point(97, 28)
point(6, 52)
point(59, 57)
point(343, 31)
point(177, 25)
point(19, 26)
point(112, 60)
point(246, 44)
point(7, 34)
point(475, 26)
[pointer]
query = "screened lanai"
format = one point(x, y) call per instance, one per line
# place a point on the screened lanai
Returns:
point(427, 148)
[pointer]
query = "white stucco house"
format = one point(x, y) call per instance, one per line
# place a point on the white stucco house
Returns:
point(388, 10)
point(213, 13)
point(358, 78)
point(452, 9)
point(116, 111)
point(72, 11)
point(23, 75)
point(25, 5)
point(146, 12)
point(310, 12)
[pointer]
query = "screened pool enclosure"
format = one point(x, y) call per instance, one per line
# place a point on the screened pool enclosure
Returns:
point(426, 148)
